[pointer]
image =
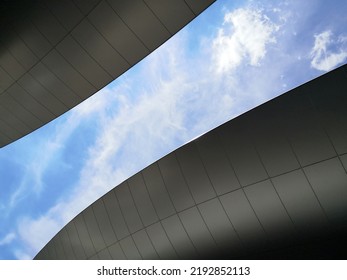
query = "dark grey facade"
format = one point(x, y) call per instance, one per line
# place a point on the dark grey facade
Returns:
point(269, 184)
point(56, 53)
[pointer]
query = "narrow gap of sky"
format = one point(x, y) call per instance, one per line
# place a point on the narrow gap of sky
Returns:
point(233, 57)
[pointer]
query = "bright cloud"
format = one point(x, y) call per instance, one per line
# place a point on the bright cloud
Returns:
point(323, 58)
point(244, 38)
point(8, 238)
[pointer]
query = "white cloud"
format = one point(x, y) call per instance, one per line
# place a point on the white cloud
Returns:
point(243, 38)
point(8, 238)
point(324, 59)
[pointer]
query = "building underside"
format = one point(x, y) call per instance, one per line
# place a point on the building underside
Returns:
point(269, 184)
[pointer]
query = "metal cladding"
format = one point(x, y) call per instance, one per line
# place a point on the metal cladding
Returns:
point(54, 54)
point(269, 184)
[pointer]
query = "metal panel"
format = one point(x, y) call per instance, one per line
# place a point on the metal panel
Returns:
point(5, 80)
point(113, 28)
point(161, 242)
point(22, 97)
point(47, 79)
point(83, 63)
point(194, 173)
point(179, 238)
point(198, 231)
point(243, 218)
point(242, 155)
point(116, 217)
point(59, 248)
point(175, 183)
point(104, 223)
point(128, 208)
point(116, 252)
point(66, 12)
point(157, 191)
point(300, 201)
point(220, 227)
point(75, 241)
point(65, 240)
point(104, 255)
point(142, 200)
point(141, 20)
point(276, 154)
point(144, 245)
point(129, 248)
point(329, 181)
point(198, 6)
point(10, 64)
point(270, 211)
point(174, 14)
point(216, 163)
point(84, 236)
point(7, 131)
point(64, 71)
point(344, 161)
point(13, 121)
point(86, 5)
point(38, 92)
point(51, 250)
point(98, 48)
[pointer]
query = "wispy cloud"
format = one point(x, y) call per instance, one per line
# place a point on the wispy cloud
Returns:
point(323, 57)
point(7, 239)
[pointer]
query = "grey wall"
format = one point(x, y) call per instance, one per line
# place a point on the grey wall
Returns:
point(271, 183)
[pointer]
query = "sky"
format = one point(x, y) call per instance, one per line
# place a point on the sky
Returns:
point(233, 57)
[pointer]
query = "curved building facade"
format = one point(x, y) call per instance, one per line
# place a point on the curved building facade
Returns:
point(55, 54)
point(269, 184)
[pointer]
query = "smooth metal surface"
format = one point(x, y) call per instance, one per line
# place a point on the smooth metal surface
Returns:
point(55, 54)
point(271, 183)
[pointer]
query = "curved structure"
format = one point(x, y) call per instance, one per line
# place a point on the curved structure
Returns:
point(54, 54)
point(271, 183)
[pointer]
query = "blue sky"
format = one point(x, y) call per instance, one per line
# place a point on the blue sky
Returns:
point(233, 57)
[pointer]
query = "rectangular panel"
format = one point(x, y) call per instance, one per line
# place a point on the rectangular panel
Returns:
point(329, 181)
point(65, 240)
point(243, 218)
point(129, 248)
point(117, 33)
point(10, 64)
point(198, 6)
point(242, 154)
point(220, 227)
point(270, 210)
point(84, 236)
point(115, 214)
point(344, 161)
point(13, 121)
point(51, 250)
point(59, 248)
point(179, 238)
point(128, 208)
point(5, 80)
point(104, 255)
point(65, 72)
point(93, 229)
point(144, 245)
point(194, 173)
point(104, 223)
point(174, 14)
point(299, 200)
point(142, 200)
point(83, 63)
point(175, 183)
point(42, 95)
point(98, 48)
point(66, 12)
point(19, 111)
point(141, 21)
point(311, 145)
point(55, 86)
point(197, 231)
point(116, 252)
point(32, 105)
point(157, 191)
point(8, 131)
point(75, 241)
point(276, 154)
point(86, 5)
point(22, 53)
point(161, 242)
